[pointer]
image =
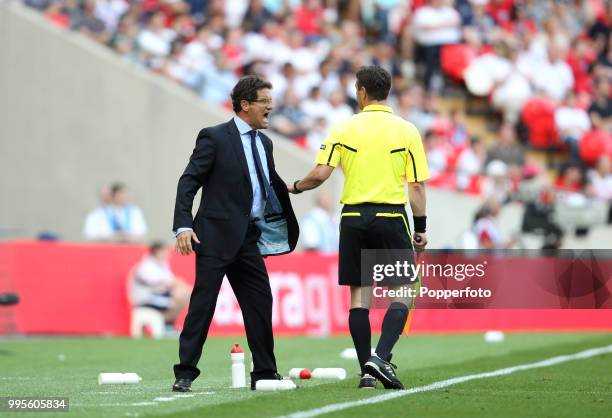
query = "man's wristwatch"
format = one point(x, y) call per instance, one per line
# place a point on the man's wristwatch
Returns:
point(295, 189)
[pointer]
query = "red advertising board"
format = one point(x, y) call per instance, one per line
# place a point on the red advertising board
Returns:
point(68, 288)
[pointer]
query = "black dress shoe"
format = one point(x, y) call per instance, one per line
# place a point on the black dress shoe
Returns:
point(274, 376)
point(182, 385)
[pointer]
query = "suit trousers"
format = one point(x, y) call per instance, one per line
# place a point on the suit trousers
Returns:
point(249, 280)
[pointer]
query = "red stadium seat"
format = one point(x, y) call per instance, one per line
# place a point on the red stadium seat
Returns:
point(593, 145)
point(445, 180)
point(475, 186)
point(454, 59)
point(454, 156)
point(539, 117)
point(300, 142)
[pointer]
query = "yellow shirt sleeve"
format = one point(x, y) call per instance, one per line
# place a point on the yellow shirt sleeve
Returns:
point(416, 163)
point(331, 150)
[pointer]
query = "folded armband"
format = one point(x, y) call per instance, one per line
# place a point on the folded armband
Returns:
point(420, 223)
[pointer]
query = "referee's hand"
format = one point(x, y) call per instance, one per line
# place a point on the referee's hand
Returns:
point(183, 242)
point(419, 241)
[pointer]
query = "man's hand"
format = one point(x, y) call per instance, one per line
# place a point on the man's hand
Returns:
point(183, 242)
point(419, 241)
point(290, 188)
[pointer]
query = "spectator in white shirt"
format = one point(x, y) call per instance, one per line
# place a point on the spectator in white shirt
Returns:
point(319, 230)
point(339, 111)
point(571, 122)
point(601, 179)
point(514, 89)
point(154, 285)
point(303, 58)
point(437, 159)
point(470, 163)
point(283, 80)
point(155, 41)
point(197, 55)
point(554, 77)
point(495, 66)
point(109, 12)
point(316, 134)
point(116, 221)
point(600, 183)
point(434, 25)
point(497, 185)
point(176, 67)
point(315, 106)
point(218, 81)
point(330, 81)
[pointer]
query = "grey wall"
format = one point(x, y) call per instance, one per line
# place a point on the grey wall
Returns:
point(75, 116)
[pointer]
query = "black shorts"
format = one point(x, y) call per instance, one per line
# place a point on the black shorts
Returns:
point(371, 226)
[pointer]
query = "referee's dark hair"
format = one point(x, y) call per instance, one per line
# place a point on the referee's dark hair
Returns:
point(376, 80)
point(246, 89)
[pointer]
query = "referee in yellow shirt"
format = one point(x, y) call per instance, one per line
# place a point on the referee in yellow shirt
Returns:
point(378, 152)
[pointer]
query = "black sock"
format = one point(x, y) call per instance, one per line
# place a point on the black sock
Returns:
point(359, 325)
point(392, 327)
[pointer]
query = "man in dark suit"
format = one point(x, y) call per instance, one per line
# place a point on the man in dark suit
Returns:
point(244, 214)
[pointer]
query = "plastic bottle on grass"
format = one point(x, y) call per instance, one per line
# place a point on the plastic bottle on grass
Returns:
point(238, 371)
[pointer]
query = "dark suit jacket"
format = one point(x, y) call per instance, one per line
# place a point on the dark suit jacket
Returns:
point(218, 165)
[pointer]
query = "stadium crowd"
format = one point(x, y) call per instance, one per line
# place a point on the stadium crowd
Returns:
point(544, 67)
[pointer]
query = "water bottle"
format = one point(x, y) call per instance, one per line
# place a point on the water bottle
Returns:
point(329, 373)
point(118, 378)
point(238, 378)
point(274, 385)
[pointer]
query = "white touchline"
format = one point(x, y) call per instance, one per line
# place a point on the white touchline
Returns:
point(165, 399)
point(449, 382)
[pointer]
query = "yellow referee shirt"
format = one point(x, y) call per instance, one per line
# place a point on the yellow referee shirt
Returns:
point(378, 151)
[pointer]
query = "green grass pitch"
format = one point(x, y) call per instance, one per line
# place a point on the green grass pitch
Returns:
point(68, 367)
